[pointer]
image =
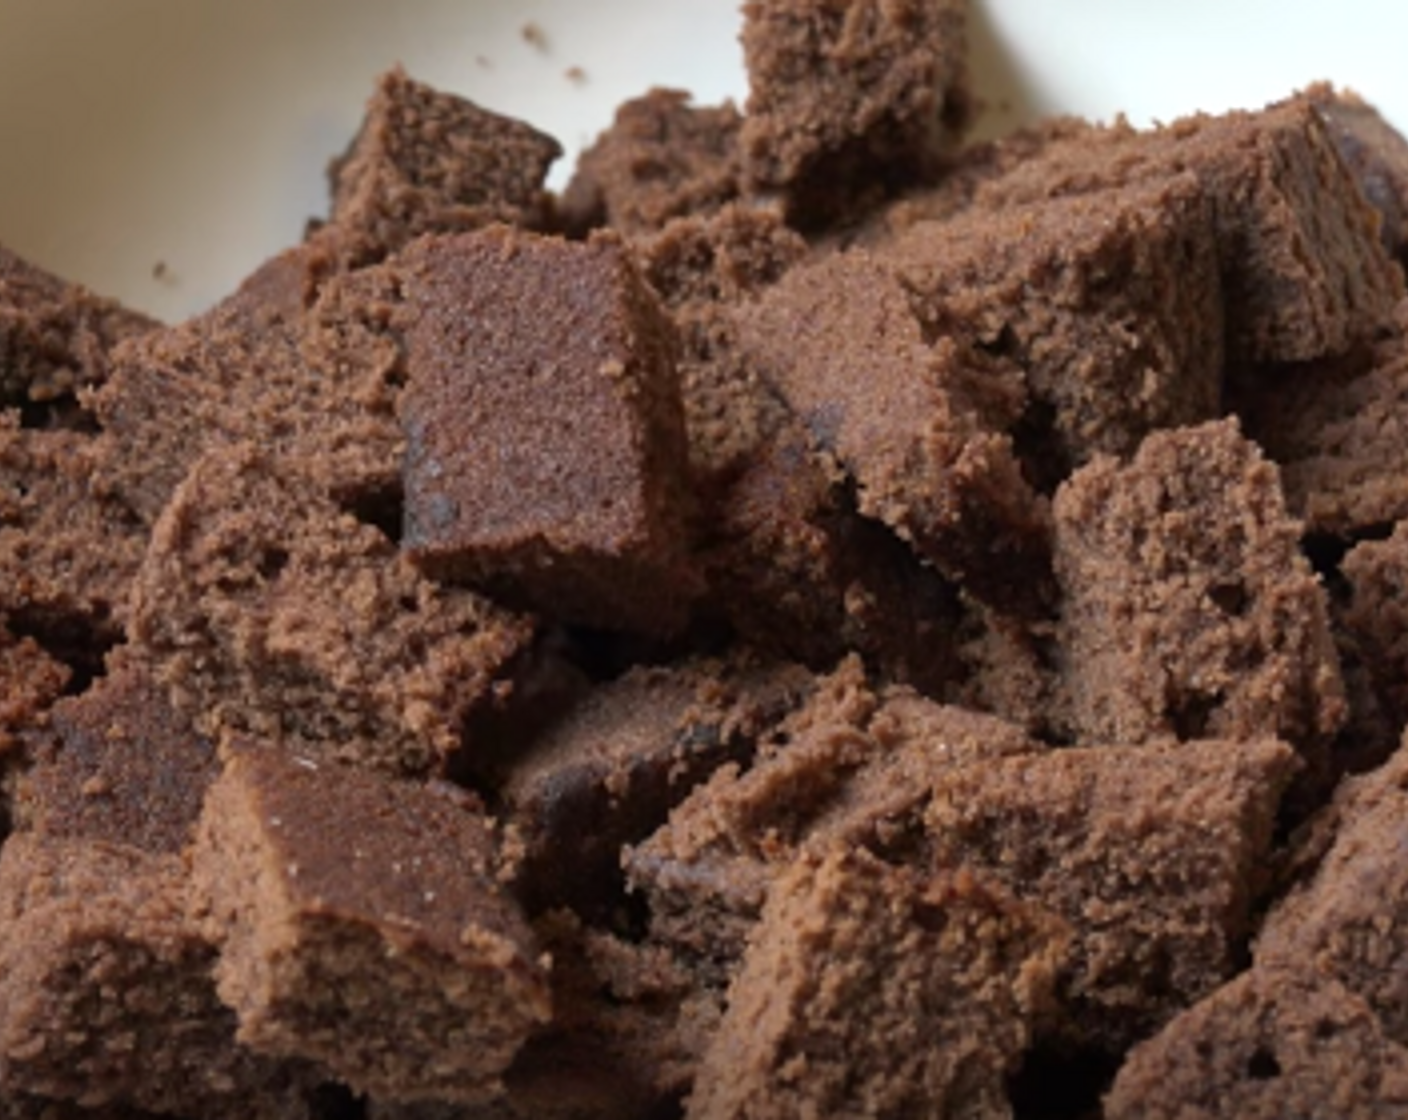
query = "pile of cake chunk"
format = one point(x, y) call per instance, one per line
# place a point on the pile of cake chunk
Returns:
point(819, 619)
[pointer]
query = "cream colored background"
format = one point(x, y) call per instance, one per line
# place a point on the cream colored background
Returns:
point(194, 132)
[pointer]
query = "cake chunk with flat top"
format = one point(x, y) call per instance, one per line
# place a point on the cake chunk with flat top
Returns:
point(545, 456)
point(427, 161)
point(362, 926)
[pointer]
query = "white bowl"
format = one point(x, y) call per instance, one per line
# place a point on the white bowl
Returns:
point(159, 149)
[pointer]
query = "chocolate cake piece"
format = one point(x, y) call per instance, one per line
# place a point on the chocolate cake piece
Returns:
point(1376, 154)
point(853, 768)
point(67, 554)
point(30, 681)
point(298, 361)
point(662, 158)
point(261, 608)
point(1337, 427)
point(25, 1106)
point(728, 256)
point(427, 161)
point(840, 344)
point(120, 768)
point(1304, 274)
point(1189, 611)
point(1375, 617)
point(362, 926)
point(879, 991)
point(1267, 1046)
point(1153, 854)
point(1110, 303)
point(609, 771)
point(55, 336)
point(545, 441)
point(105, 990)
point(1345, 922)
point(845, 97)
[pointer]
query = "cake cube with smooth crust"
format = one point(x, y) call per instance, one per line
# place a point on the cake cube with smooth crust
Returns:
point(362, 926)
point(545, 454)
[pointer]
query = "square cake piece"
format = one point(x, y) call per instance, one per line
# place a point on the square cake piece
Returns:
point(1153, 854)
point(1304, 273)
point(427, 161)
point(55, 336)
point(106, 997)
point(296, 360)
point(1269, 1045)
point(662, 158)
point(1109, 303)
point(362, 926)
point(545, 455)
point(844, 95)
point(871, 990)
point(840, 343)
point(1189, 611)
point(262, 608)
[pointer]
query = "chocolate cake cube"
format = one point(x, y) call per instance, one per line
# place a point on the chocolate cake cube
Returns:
point(1110, 303)
point(427, 161)
point(1375, 153)
point(1304, 274)
point(842, 96)
point(121, 768)
point(662, 158)
point(297, 362)
point(1345, 922)
point(545, 440)
point(1188, 609)
point(55, 336)
point(262, 608)
point(852, 768)
point(67, 554)
point(362, 926)
point(1269, 1045)
point(105, 990)
point(1154, 855)
point(874, 990)
point(840, 344)
point(609, 771)
point(1376, 620)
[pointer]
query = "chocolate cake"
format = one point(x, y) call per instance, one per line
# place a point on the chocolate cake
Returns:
point(663, 157)
point(1303, 271)
point(1269, 1045)
point(1188, 610)
point(544, 430)
point(1155, 855)
point(1336, 428)
point(427, 161)
point(263, 609)
point(851, 956)
point(55, 336)
point(1109, 303)
point(844, 99)
point(840, 344)
point(817, 620)
point(361, 926)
